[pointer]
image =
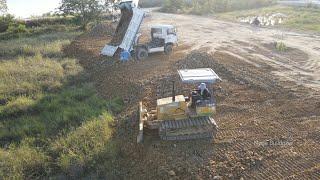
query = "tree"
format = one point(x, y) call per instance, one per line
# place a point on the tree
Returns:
point(86, 10)
point(3, 6)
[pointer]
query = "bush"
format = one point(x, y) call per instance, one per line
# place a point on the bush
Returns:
point(17, 28)
point(281, 46)
point(51, 21)
point(5, 21)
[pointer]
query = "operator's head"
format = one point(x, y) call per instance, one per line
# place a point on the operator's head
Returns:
point(202, 87)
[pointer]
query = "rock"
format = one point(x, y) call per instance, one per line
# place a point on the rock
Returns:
point(174, 145)
point(172, 173)
point(217, 177)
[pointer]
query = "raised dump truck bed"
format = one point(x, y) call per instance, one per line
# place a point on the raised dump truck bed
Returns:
point(126, 31)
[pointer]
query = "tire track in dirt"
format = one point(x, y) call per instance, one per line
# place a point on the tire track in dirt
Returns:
point(256, 108)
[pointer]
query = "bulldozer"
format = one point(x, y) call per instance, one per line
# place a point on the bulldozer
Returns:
point(184, 117)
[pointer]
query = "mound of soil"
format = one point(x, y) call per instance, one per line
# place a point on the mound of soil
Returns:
point(102, 29)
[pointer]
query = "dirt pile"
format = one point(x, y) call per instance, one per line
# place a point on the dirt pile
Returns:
point(102, 29)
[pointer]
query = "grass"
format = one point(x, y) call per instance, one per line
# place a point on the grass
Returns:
point(52, 122)
point(203, 7)
point(29, 76)
point(23, 162)
point(281, 46)
point(299, 18)
point(48, 45)
point(84, 148)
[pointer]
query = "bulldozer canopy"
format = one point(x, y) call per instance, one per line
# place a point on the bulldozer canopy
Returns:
point(203, 75)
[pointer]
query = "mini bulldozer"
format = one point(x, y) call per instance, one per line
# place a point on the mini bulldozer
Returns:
point(184, 118)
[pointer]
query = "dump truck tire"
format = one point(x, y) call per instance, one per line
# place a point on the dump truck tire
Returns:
point(142, 53)
point(168, 49)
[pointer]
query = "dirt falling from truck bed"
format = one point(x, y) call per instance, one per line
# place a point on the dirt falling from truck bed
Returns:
point(122, 27)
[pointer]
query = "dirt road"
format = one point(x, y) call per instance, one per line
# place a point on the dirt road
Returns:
point(268, 103)
point(252, 45)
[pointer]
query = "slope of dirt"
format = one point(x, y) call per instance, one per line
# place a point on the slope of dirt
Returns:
point(266, 130)
point(262, 128)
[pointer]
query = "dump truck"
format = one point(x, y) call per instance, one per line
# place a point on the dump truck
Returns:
point(183, 117)
point(163, 39)
point(125, 41)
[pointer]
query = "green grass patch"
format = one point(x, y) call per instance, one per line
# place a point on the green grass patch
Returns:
point(51, 114)
point(30, 76)
point(52, 122)
point(48, 45)
point(84, 148)
point(281, 46)
point(23, 162)
point(201, 7)
point(300, 18)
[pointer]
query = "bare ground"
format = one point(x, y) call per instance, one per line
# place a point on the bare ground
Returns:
point(268, 102)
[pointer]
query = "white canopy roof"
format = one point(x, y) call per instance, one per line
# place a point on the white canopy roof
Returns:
point(203, 75)
point(167, 26)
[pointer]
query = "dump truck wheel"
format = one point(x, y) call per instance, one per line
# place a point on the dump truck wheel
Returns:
point(142, 53)
point(168, 49)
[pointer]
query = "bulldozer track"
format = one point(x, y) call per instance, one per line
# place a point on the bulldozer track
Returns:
point(199, 128)
point(286, 168)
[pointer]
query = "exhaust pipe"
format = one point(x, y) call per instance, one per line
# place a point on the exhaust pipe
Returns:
point(173, 92)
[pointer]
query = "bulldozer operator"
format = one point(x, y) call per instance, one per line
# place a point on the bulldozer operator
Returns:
point(203, 91)
point(200, 94)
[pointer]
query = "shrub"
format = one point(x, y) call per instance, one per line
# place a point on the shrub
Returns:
point(52, 21)
point(5, 21)
point(281, 46)
point(17, 28)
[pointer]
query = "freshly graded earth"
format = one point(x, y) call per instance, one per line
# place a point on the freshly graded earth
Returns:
point(268, 103)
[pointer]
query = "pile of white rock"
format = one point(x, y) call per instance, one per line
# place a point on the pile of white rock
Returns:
point(264, 20)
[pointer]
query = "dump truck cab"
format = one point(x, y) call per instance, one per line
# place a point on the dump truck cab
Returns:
point(168, 33)
point(163, 39)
